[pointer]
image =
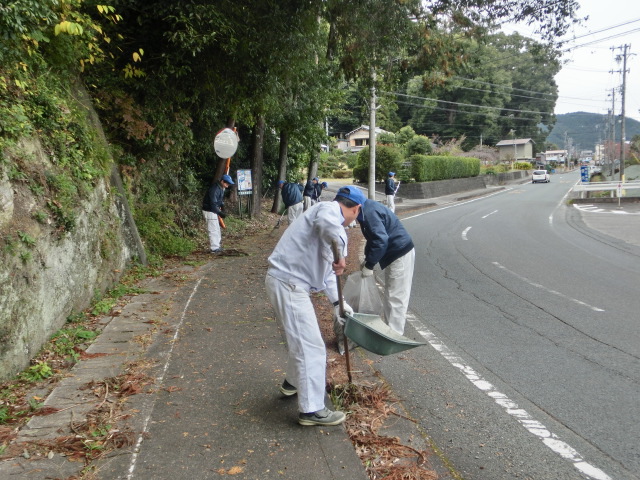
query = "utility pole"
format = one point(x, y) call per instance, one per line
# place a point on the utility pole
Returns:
point(622, 112)
point(612, 133)
point(622, 129)
point(372, 140)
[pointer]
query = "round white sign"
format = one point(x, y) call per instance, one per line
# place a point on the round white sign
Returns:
point(226, 143)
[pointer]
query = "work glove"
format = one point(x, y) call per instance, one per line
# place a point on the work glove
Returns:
point(222, 215)
point(336, 313)
point(366, 272)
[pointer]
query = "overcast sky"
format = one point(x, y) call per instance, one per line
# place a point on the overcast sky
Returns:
point(585, 82)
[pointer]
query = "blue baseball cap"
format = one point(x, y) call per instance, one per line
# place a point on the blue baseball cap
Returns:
point(353, 193)
point(280, 182)
point(391, 174)
point(316, 179)
point(228, 179)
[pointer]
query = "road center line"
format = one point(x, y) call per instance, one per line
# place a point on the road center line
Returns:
point(457, 204)
point(542, 287)
point(464, 234)
point(550, 439)
point(495, 211)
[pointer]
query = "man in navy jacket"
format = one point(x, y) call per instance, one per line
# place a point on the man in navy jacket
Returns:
point(292, 199)
point(389, 245)
point(390, 191)
point(212, 205)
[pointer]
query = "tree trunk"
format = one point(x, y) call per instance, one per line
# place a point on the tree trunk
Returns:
point(313, 166)
point(282, 171)
point(257, 143)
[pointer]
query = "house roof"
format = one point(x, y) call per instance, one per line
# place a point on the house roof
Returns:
point(517, 141)
point(364, 127)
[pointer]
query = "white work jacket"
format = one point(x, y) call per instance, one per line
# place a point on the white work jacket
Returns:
point(303, 256)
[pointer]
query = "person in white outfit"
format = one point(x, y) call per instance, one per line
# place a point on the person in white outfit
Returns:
point(301, 263)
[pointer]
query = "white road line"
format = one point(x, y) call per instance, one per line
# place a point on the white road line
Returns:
point(562, 202)
point(542, 287)
point(550, 439)
point(456, 204)
point(495, 211)
point(593, 209)
point(159, 382)
point(464, 234)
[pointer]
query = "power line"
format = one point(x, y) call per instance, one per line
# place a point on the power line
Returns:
point(420, 105)
point(622, 34)
point(470, 104)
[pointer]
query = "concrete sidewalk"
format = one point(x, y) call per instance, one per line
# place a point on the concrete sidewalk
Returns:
point(214, 408)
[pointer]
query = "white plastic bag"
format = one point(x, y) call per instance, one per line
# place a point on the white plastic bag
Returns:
point(362, 294)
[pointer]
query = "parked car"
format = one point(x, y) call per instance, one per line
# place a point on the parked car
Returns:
point(540, 176)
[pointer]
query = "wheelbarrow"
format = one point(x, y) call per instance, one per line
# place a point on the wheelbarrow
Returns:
point(371, 333)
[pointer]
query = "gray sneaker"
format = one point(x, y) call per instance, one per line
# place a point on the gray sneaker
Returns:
point(287, 389)
point(321, 417)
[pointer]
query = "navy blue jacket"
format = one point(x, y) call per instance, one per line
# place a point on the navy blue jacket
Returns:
point(317, 191)
point(387, 239)
point(214, 199)
point(291, 194)
point(309, 189)
point(390, 186)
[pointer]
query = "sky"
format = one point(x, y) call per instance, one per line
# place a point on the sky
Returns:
point(585, 82)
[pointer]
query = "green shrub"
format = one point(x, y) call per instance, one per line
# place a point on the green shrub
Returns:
point(387, 159)
point(156, 224)
point(342, 173)
point(437, 167)
point(522, 166)
point(419, 145)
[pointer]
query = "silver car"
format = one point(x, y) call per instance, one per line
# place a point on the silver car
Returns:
point(540, 176)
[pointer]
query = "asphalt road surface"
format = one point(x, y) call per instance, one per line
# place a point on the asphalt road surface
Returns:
point(533, 368)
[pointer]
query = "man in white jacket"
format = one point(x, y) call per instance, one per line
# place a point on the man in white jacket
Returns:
point(302, 263)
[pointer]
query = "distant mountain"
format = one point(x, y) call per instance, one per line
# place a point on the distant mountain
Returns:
point(587, 129)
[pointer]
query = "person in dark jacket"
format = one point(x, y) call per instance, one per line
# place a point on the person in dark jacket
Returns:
point(390, 191)
point(310, 192)
point(292, 199)
point(391, 246)
point(212, 205)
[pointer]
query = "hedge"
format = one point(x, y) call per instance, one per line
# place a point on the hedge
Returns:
point(427, 168)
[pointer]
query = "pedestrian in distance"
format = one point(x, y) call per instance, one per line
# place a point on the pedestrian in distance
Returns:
point(302, 263)
point(391, 246)
point(212, 206)
point(390, 191)
point(292, 199)
point(310, 192)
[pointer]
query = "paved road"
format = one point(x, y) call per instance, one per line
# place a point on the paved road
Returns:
point(531, 307)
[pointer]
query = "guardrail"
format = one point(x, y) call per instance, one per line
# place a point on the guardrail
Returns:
point(616, 188)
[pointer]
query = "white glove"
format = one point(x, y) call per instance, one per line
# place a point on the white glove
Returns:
point(366, 272)
point(336, 312)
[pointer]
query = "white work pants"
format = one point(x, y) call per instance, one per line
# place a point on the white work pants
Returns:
point(391, 202)
point(398, 277)
point(213, 228)
point(293, 212)
point(306, 366)
point(307, 203)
